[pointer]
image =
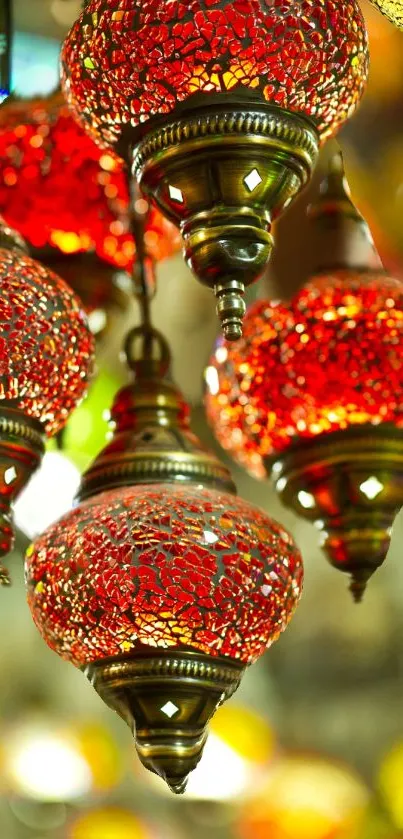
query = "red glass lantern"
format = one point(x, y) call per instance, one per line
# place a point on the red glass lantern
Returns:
point(46, 352)
point(223, 104)
point(59, 190)
point(164, 567)
point(162, 585)
point(70, 201)
point(313, 394)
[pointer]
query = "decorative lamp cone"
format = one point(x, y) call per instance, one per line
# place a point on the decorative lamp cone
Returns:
point(166, 586)
point(46, 354)
point(152, 441)
point(222, 109)
point(312, 395)
point(392, 9)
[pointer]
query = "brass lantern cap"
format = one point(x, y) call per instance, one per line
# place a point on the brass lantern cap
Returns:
point(152, 441)
point(350, 485)
point(167, 697)
point(222, 173)
point(342, 239)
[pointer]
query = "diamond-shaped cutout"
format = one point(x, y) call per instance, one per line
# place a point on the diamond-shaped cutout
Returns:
point(371, 487)
point(10, 475)
point(169, 709)
point(176, 194)
point(306, 499)
point(252, 180)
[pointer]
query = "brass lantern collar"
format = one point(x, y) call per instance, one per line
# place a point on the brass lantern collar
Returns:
point(21, 450)
point(167, 697)
point(222, 170)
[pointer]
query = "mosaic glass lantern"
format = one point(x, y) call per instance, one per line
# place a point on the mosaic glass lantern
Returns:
point(222, 105)
point(313, 393)
point(70, 200)
point(162, 585)
point(46, 352)
point(392, 9)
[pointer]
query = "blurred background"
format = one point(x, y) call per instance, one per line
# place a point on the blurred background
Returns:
point(311, 747)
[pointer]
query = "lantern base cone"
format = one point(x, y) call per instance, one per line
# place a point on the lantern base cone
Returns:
point(350, 485)
point(167, 699)
point(21, 450)
point(222, 173)
point(358, 547)
point(358, 585)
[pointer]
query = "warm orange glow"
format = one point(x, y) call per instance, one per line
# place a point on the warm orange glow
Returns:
point(306, 797)
point(66, 242)
point(390, 784)
point(102, 755)
point(247, 733)
point(109, 823)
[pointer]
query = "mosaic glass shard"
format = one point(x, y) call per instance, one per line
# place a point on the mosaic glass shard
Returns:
point(330, 359)
point(134, 566)
point(46, 348)
point(126, 61)
point(59, 189)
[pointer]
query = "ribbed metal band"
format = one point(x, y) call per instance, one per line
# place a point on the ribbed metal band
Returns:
point(271, 124)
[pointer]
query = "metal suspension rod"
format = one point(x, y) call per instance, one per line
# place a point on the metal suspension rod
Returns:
point(6, 36)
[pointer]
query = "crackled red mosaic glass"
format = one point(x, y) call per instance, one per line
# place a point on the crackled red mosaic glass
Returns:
point(46, 348)
point(331, 358)
point(126, 61)
point(164, 566)
point(57, 188)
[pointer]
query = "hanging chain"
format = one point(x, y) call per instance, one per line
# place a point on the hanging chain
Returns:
point(143, 270)
point(153, 349)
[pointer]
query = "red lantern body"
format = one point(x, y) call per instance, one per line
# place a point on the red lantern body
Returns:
point(126, 63)
point(61, 192)
point(329, 360)
point(46, 359)
point(46, 347)
point(164, 567)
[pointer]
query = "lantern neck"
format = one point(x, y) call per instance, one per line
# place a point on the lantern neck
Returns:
point(342, 238)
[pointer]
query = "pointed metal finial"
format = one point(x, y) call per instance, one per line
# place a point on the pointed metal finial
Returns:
point(358, 584)
point(344, 240)
point(177, 785)
point(334, 193)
